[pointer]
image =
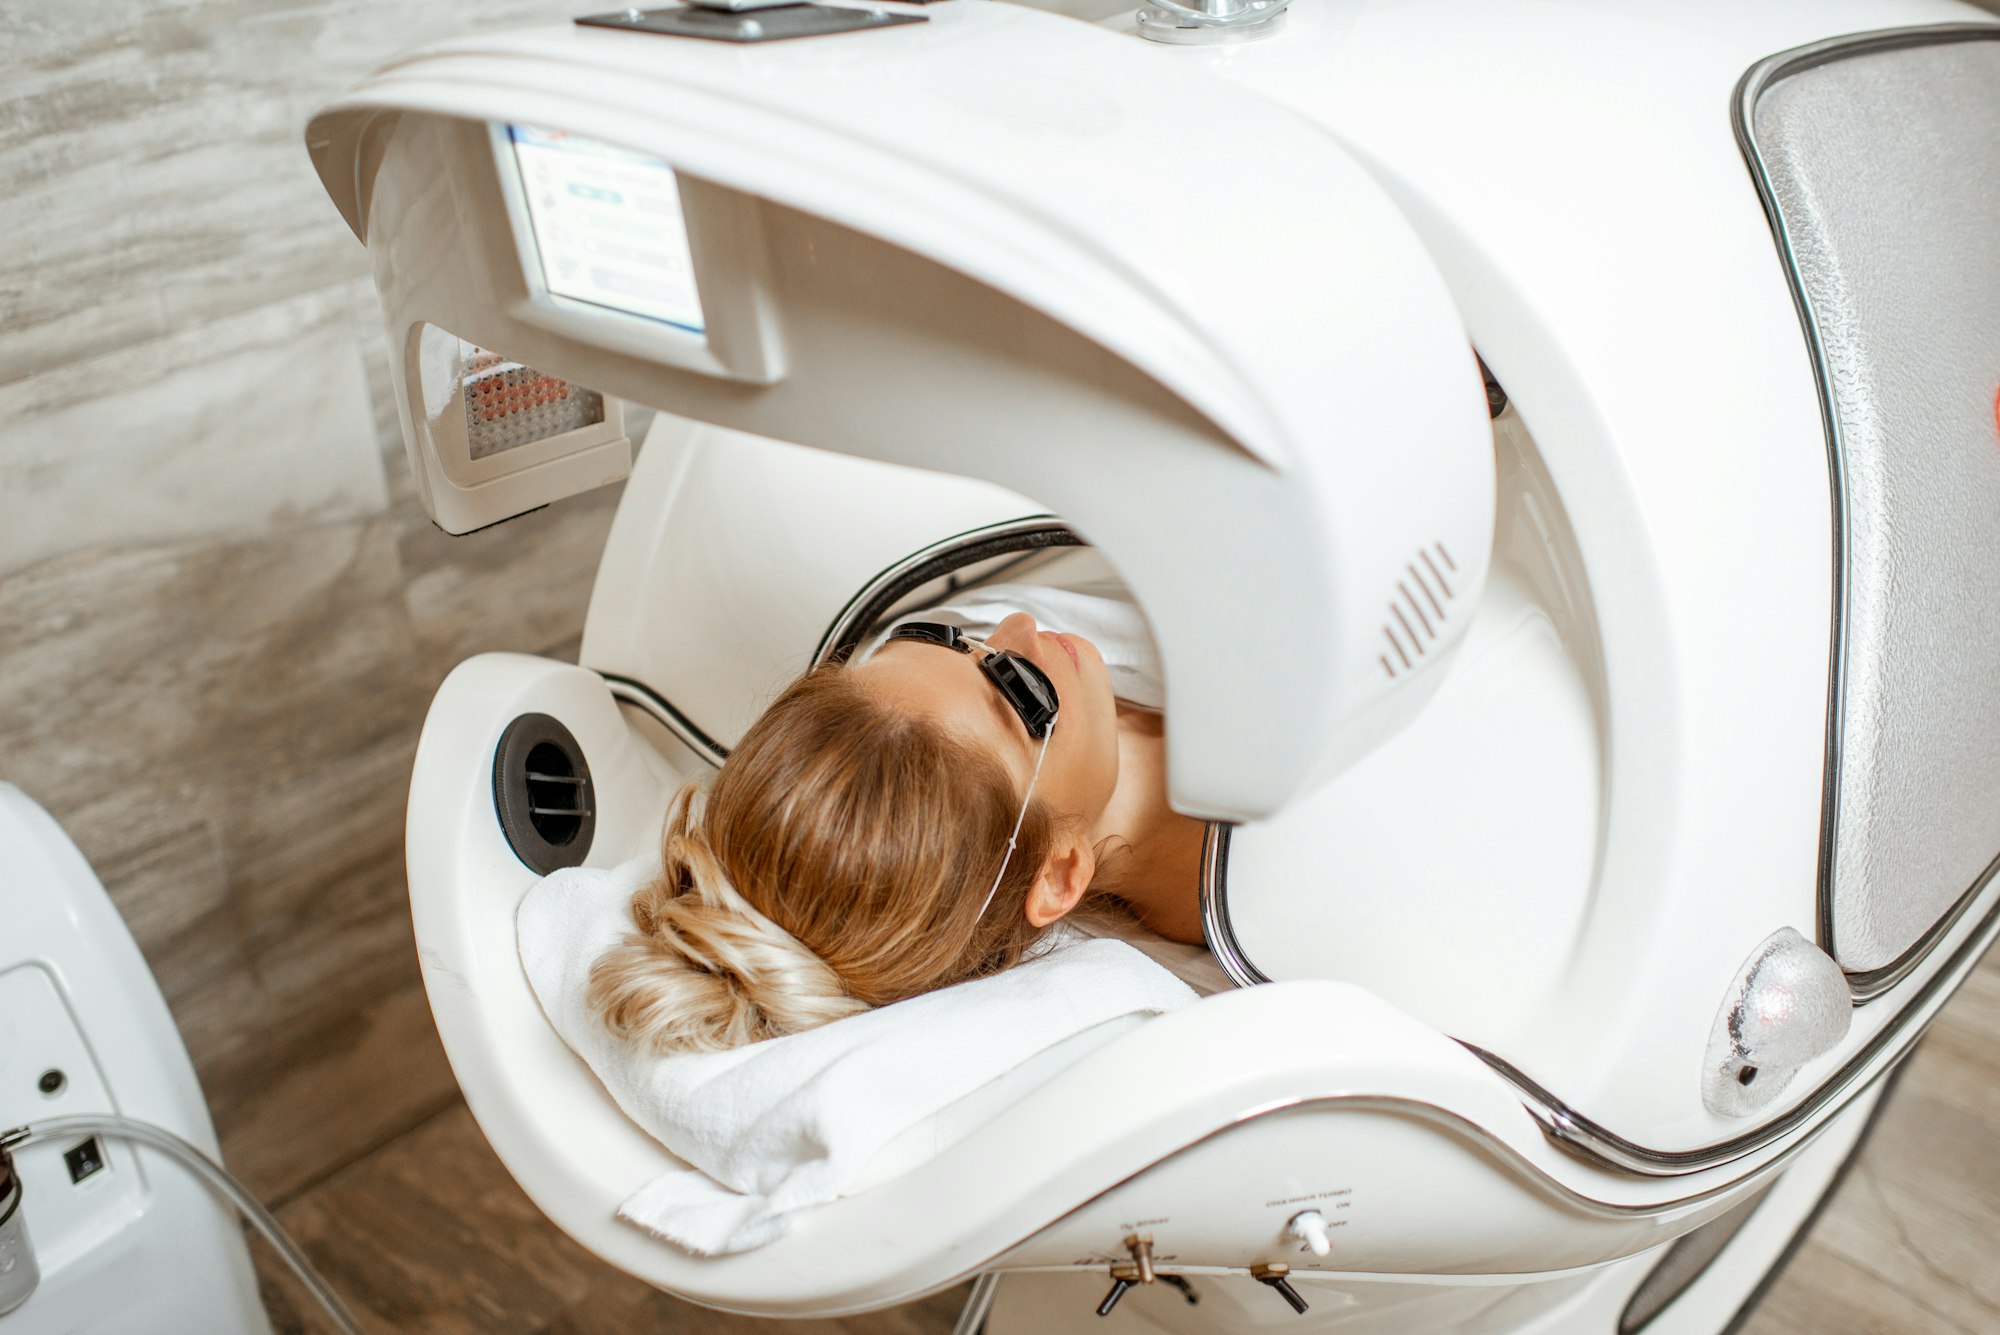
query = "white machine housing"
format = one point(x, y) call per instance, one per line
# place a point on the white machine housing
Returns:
point(139, 1244)
point(1514, 844)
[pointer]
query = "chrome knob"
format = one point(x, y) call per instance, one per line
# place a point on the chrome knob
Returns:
point(1141, 1247)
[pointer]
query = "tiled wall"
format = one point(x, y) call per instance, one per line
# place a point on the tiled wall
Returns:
point(221, 612)
point(188, 340)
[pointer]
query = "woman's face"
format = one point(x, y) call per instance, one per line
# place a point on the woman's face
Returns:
point(1081, 768)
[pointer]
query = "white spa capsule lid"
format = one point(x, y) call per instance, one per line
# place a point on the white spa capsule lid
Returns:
point(999, 244)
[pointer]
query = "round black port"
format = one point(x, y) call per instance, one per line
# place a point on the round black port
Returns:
point(542, 793)
point(52, 1082)
point(1746, 1075)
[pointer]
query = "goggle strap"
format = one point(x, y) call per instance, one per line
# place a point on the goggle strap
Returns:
point(1018, 819)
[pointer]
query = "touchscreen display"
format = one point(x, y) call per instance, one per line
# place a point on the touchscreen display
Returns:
point(608, 226)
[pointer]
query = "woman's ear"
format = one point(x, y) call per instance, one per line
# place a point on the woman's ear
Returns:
point(1063, 880)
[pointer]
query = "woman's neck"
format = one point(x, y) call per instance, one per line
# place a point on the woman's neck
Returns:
point(1154, 861)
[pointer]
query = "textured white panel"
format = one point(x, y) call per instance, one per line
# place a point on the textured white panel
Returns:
point(1884, 169)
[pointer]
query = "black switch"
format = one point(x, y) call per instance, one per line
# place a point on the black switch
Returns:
point(85, 1160)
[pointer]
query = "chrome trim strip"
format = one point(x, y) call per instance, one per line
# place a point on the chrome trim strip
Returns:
point(1458, 1125)
point(641, 696)
point(875, 598)
point(889, 587)
point(1866, 985)
point(1592, 1141)
point(1215, 928)
point(995, 1265)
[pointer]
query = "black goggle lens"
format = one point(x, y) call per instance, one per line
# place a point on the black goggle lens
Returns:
point(1025, 687)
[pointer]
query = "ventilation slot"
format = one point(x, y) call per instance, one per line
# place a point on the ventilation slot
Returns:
point(542, 793)
point(1419, 610)
point(556, 798)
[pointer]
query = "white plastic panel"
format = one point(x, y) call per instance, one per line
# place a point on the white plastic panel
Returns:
point(38, 1034)
point(1156, 1088)
point(732, 555)
point(1452, 870)
point(1616, 270)
point(959, 290)
point(480, 421)
point(141, 1245)
point(1227, 1201)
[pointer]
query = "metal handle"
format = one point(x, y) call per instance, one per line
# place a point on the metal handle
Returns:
point(1273, 1276)
point(1123, 1277)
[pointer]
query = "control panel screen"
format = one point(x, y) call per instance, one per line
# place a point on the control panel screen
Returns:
point(608, 226)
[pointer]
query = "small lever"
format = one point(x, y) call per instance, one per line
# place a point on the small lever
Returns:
point(1123, 1277)
point(1309, 1227)
point(1141, 1247)
point(1273, 1275)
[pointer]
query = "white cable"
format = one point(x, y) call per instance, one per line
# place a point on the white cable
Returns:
point(214, 1174)
point(1025, 798)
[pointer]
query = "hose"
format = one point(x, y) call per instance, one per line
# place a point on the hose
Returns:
point(214, 1174)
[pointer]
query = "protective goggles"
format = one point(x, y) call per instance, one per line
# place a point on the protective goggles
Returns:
point(1025, 687)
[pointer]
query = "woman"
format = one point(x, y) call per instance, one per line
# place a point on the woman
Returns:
point(915, 819)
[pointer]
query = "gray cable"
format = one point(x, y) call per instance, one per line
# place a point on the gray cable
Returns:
point(218, 1179)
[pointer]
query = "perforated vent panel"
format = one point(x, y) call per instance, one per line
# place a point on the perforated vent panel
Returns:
point(1882, 169)
point(1418, 610)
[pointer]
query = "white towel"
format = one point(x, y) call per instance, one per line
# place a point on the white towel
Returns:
point(773, 1128)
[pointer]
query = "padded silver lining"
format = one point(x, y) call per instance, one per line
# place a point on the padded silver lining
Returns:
point(1884, 175)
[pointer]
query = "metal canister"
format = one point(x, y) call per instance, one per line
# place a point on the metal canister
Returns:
point(18, 1272)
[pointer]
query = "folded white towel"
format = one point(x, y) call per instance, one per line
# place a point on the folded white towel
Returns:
point(773, 1128)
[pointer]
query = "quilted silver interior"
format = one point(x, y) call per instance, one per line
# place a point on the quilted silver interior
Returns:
point(1883, 170)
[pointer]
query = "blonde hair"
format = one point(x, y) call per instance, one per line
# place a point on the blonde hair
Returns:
point(838, 861)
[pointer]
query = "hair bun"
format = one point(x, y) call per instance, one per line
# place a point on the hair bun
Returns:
point(706, 971)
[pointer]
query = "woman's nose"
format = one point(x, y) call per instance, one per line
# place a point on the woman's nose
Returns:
point(1016, 632)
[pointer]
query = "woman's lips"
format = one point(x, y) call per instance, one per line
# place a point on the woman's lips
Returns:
point(1067, 648)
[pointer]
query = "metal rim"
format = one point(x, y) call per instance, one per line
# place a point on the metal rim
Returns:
point(1591, 1140)
point(1864, 985)
point(894, 583)
point(874, 599)
point(1215, 928)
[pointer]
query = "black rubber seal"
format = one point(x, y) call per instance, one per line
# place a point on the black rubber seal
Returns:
point(542, 794)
